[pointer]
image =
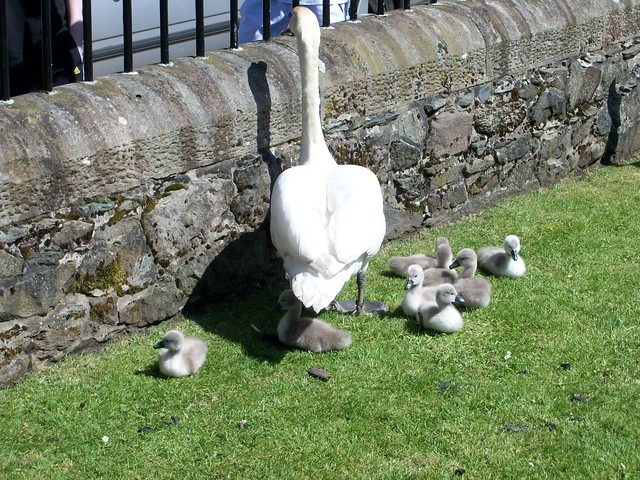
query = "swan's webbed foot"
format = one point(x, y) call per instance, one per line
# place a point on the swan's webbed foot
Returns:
point(359, 307)
point(351, 307)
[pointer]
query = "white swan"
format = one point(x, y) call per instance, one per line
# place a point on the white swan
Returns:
point(180, 356)
point(441, 273)
point(505, 261)
point(441, 315)
point(400, 265)
point(327, 220)
point(476, 291)
point(307, 333)
point(416, 295)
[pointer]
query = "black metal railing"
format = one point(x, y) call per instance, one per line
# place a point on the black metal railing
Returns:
point(126, 51)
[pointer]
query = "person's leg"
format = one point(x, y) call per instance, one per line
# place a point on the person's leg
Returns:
point(250, 27)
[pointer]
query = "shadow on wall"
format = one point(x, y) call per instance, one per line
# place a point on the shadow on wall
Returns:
point(257, 78)
point(250, 261)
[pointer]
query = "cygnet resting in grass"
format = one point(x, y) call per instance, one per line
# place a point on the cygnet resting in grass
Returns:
point(502, 262)
point(180, 356)
point(416, 295)
point(476, 291)
point(307, 333)
point(441, 315)
point(400, 265)
point(441, 273)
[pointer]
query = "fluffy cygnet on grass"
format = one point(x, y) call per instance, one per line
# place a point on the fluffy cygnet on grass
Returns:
point(476, 291)
point(416, 294)
point(503, 262)
point(400, 265)
point(180, 356)
point(307, 333)
point(441, 273)
point(441, 315)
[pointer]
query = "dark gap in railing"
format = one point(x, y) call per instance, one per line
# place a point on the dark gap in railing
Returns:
point(407, 5)
point(164, 32)
point(47, 54)
point(127, 28)
point(87, 40)
point(296, 3)
point(233, 31)
point(5, 91)
point(200, 28)
point(380, 10)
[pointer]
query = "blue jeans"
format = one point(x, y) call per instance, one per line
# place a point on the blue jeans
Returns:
point(250, 28)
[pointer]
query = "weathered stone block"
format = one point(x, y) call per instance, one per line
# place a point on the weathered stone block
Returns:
point(186, 218)
point(450, 133)
point(550, 104)
point(10, 265)
point(582, 84)
point(403, 156)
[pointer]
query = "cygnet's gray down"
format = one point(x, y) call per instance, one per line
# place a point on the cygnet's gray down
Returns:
point(441, 315)
point(416, 294)
point(180, 356)
point(476, 291)
point(400, 265)
point(441, 273)
point(307, 333)
point(503, 262)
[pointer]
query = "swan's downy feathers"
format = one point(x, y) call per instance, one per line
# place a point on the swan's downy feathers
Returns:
point(180, 356)
point(307, 333)
point(327, 220)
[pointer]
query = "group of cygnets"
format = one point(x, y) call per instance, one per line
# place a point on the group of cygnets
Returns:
point(433, 291)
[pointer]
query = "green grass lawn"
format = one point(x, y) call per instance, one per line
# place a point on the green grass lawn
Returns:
point(543, 383)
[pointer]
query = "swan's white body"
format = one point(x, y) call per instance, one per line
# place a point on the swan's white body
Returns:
point(416, 295)
point(307, 333)
point(327, 220)
point(476, 291)
point(503, 262)
point(400, 265)
point(180, 356)
point(441, 315)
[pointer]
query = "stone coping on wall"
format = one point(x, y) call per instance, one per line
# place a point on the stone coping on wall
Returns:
point(122, 132)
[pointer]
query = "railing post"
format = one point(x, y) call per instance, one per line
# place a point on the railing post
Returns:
point(5, 90)
point(353, 10)
point(47, 54)
point(87, 40)
point(233, 30)
point(266, 19)
point(326, 13)
point(164, 32)
point(199, 28)
point(127, 28)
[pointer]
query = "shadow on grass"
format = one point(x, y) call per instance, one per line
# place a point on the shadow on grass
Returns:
point(233, 318)
point(152, 370)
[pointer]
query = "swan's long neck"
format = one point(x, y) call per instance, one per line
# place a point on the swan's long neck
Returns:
point(290, 317)
point(468, 271)
point(313, 143)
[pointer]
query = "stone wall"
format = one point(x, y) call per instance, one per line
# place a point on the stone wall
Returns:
point(125, 199)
